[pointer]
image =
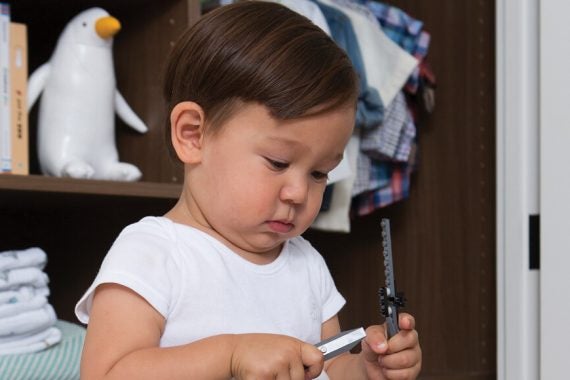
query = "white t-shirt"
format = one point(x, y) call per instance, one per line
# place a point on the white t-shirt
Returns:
point(202, 288)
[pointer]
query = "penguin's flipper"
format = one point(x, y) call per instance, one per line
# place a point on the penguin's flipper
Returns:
point(128, 115)
point(36, 83)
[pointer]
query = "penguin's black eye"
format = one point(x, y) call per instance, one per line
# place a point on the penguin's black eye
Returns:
point(84, 24)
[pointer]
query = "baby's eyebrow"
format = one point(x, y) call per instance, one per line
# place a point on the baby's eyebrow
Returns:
point(284, 141)
point(294, 144)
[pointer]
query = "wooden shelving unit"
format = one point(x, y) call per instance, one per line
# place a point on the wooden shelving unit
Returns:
point(75, 221)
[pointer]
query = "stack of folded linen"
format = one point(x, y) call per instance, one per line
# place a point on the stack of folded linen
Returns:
point(27, 320)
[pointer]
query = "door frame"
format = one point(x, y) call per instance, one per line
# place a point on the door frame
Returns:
point(517, 81)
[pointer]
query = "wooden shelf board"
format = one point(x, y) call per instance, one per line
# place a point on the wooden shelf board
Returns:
point(44, 184)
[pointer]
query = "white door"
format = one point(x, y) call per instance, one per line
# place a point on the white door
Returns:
point(555, 189)
point(533, 178)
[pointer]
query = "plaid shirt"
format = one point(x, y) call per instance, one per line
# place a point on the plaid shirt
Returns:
point(394, 177)
point(405, 31)
point(391, 140)
point(397, 189)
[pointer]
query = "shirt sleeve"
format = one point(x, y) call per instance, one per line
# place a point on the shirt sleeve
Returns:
point(140, 259)
point(333, 301)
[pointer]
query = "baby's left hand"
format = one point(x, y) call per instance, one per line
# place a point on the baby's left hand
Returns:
point(398, 358)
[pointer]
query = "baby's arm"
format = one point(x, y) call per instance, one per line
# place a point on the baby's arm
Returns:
point(398, 358)
point(123, 338)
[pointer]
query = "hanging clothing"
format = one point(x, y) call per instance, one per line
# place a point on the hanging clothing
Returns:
point(387, 65)
point(394, 137)
point(391, 66)
point(369, 109)
point(334, 215)
point(382, 146)
point(405, 31)
point(391, 163)
point(397, 190)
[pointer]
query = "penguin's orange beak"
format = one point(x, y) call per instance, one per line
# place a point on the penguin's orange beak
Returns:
point(107, 27)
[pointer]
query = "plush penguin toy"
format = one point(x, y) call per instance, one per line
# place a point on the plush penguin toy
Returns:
point(76, 121)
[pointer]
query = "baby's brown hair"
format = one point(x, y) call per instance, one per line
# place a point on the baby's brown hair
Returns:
point(255, 51)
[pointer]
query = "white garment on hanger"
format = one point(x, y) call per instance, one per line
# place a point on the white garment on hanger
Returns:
point(387, 65)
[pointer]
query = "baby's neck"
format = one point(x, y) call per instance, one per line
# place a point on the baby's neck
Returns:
point(180, 214)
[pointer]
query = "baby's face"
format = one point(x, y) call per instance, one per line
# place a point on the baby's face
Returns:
point(262, 179)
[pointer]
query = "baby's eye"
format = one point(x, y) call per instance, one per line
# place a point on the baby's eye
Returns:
point(277, 165)
point(320, 176)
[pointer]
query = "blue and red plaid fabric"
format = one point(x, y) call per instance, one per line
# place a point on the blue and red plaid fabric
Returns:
point(404, 30)
point(397, 190)
point(408, 33)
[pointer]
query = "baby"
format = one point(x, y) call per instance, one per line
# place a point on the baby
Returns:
point(261, 105)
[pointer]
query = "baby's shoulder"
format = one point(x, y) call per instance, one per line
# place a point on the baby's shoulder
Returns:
point(150, 231)
point(161, 235)
point(147, 240)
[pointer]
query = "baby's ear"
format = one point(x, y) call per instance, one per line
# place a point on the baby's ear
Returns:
point(187, 130)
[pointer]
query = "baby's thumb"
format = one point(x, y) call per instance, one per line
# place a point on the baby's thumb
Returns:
point(313, 360)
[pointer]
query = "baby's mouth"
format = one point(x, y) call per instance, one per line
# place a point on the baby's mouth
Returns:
point(279, 226)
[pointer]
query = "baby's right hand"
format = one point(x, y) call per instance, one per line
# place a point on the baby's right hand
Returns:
point(269, 356)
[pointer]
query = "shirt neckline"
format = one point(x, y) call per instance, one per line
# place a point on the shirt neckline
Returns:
point(269, 268)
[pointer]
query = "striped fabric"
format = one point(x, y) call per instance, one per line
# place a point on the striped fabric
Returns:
point(60, 362)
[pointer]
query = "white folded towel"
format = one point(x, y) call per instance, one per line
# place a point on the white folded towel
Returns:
point(29, 343)
point(15, 308)
point(14, 278)
point(31, 257)
point(27, 322)
point(22, 294)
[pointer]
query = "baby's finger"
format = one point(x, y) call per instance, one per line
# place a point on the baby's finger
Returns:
point(375, 342)
point(407, 358)
point(405, 373)
point(406, 321)
point(297, 372)
point(312, 359)
point(405, 339)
